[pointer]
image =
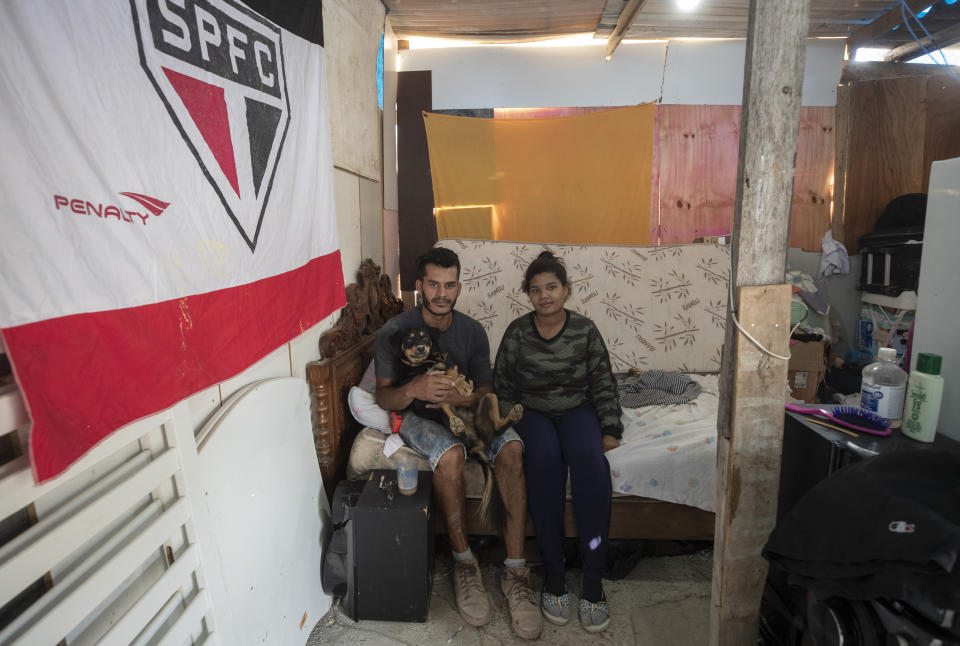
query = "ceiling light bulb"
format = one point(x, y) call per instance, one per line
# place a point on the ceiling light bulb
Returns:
point(687, 5)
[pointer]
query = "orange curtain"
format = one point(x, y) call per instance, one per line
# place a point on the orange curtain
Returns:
point(581, 179)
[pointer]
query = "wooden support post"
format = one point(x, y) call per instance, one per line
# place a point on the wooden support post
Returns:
point(753, 383)
point(841, 159)
point(748, 466)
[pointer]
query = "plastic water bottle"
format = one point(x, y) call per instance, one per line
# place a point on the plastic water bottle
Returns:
point(883, 386)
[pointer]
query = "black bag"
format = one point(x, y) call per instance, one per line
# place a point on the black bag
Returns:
point(906, 211)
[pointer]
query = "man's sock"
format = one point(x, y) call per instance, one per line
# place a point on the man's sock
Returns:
point(554, 584)
point(593, 590)
point(514, 563)
point(463, 556)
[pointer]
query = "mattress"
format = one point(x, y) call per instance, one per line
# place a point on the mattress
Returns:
point(670, 452)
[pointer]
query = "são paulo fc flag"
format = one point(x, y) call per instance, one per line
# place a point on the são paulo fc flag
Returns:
point(167, 212)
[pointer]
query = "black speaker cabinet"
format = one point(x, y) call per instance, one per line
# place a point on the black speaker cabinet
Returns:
point(380, 557)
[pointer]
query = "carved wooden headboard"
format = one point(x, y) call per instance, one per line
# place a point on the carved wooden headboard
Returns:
point(347, 349)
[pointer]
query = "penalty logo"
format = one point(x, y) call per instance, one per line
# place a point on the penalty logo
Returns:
point(218, 67)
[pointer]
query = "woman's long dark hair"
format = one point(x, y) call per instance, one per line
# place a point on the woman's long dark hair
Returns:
point(545, 263)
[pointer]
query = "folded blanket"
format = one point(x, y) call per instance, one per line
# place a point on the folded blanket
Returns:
point(657, 388)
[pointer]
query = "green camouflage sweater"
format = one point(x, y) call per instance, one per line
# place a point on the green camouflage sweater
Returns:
point(554, 376)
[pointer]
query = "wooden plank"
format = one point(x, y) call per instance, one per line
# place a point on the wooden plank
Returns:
point(655, 233)
point(911, 49)
point(813, 179)
point(752, 384)
point(854, 71)
point(175, 578)
point(886, 152)
point(627, 15)
point(882, 25)
point(942, 132)
point(630, 517)
point(78, 572)
point(30, 563)
point(77, 502)
point(188, 627)
point(698, 162)
point(12, 411)
point(101, 582)
point(841, 158)
point(748, 466)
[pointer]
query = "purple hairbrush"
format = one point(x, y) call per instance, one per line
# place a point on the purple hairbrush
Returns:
point(848, 416)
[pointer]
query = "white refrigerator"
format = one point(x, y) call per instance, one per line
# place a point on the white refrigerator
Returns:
point(937, 327)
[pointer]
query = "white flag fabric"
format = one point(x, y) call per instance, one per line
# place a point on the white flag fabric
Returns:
point(168, 213)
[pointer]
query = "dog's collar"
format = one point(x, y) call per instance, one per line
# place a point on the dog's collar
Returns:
point(404, 361)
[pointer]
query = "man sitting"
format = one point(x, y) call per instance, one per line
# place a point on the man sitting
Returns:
point(465, 343)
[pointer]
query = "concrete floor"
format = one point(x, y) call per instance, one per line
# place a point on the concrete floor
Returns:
point(664, 601)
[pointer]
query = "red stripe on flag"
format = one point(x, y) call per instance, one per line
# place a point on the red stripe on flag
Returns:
point(208, 109)
point(85, 375)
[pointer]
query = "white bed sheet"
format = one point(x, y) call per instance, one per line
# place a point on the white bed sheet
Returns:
point(670, 452)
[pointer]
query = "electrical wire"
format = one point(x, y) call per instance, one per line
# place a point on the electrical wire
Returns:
point(904, 9)
point(760, 346)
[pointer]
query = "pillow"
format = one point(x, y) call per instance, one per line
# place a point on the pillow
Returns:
point(365, 410)
point(363, 402)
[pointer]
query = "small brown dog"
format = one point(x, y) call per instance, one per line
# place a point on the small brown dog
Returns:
point(476, 425)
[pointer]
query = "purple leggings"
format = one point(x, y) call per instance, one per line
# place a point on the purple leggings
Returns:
point(573, 440)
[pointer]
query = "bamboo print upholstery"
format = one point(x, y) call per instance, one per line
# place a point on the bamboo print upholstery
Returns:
point(657, 307)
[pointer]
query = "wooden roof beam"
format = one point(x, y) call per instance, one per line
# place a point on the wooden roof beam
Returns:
point(854, 71)
point(882, 25)
point(627, 16)
point(912, 49)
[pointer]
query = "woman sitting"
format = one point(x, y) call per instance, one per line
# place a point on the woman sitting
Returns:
point(554, 362)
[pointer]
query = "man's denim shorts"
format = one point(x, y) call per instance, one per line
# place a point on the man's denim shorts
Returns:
point(431, 440)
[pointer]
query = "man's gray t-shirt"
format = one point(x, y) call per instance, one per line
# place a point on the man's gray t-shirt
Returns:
point(464, 341)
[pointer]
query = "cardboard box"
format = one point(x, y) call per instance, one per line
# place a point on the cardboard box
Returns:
point(805, 370)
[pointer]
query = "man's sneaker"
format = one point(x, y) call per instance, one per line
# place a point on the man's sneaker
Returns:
point(472, 600)
point(556, 608)
point(594, 616)
point(524, 617)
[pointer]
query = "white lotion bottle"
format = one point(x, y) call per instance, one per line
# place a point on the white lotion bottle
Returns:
point(924, 394)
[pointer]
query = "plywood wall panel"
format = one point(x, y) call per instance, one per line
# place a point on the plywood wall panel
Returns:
point(371, 220)
point(812, 184)
point(353, 29)
point(942, 136)
point(886, 156)
point(698, 152)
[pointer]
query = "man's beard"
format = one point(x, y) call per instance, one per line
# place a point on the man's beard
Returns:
point(426, 305)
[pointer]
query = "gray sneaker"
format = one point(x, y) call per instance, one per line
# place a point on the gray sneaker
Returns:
point(594, 616)
point(472, 600)
point(556, 608)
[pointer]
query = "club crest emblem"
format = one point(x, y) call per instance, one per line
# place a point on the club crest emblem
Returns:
point(218, 68)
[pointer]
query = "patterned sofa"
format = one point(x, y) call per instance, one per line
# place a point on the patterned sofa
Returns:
point(657, 308)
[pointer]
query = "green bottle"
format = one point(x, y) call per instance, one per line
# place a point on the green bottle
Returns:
point(924, 392)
